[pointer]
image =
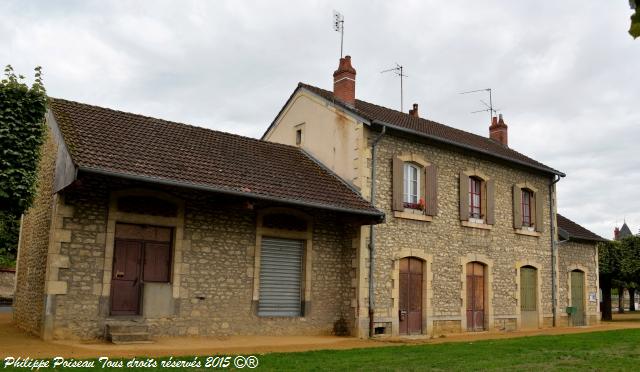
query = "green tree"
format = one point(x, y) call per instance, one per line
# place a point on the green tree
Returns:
point(634, 30)
point(22, 130)
point(609, 265)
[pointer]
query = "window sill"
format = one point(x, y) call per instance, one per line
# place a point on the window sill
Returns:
point(412, 216)
point(525, 231)
point(476, 225)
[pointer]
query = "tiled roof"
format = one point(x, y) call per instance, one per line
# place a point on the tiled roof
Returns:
point(571, 230)
point(431, 129)
point(105, 140)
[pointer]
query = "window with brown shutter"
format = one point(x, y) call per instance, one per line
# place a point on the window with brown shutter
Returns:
point(477, 199)
point(415, 186)
point(527, 208)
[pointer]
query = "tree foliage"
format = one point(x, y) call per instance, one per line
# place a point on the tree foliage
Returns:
point(619, 265)
point(22, 130)
point(634, 30)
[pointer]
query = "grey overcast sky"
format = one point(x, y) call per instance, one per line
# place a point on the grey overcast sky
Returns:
point(564, 73)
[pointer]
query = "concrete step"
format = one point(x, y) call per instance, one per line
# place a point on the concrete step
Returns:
point(128, 333)
point(126, 328)
point(130, 338)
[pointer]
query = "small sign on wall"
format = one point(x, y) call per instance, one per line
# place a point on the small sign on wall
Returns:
point(592, 297)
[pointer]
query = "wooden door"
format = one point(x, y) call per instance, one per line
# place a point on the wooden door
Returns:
point(475, 296)
point(125, 279)
point(410, 309)
point(577, 297)
point(528, 297)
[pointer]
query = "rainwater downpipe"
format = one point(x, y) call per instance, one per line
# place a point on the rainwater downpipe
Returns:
point(554, 253)
point(372, 230)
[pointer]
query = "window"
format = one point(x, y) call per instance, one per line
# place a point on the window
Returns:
point(298, 136)
point(414, 186)
point(527, 197)
point(475, 197)
point(411, 185)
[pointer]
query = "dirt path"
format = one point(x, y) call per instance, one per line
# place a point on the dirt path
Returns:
point(14, 342)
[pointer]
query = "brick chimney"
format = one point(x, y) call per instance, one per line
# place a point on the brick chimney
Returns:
point(414, 111)
point(344, 82)
point(616, 233)
point(498, 130)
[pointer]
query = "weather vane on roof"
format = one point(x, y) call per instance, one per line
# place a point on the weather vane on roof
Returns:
point(489, 106)
point(338, 25)
point(398, 70)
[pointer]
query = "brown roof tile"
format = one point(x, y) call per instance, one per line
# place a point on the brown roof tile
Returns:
point(571, 230)
point(433, 130)
point(105, 140)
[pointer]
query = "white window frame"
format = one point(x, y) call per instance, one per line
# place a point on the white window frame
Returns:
point(407, 195)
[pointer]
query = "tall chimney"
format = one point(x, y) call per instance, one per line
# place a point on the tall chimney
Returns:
point(414, 111)
point(616, 233)
point(344, 82)
point(498, 130)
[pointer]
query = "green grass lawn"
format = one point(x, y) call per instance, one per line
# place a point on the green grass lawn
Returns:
point(613, 350)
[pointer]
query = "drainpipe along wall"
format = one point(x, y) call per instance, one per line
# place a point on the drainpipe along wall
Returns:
point(372, 230)
point(554, 252)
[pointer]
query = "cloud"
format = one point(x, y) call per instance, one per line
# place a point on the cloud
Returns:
point(563, 74)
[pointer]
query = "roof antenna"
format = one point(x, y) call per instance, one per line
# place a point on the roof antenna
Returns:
point(489, 107)
point(398, 70)
point(338, 26)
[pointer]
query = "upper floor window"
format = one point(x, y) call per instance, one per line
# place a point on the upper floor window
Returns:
point(527, 197)
point(414, 186)
point(475, 197)
point(299, 137)
point(411, 183)
point(528, 207)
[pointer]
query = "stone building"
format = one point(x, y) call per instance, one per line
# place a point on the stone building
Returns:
point(469, 242)
point(578, 273)
point(144, 227)
point(347, 217)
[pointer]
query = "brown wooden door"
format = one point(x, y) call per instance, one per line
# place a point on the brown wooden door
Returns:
point(475, 296)
point(410, 311)
point(125, 279)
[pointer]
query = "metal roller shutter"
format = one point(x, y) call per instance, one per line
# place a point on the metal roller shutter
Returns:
point(280, 277)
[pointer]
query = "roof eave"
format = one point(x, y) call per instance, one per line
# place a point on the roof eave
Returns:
point(376, 217)
point(471, 148)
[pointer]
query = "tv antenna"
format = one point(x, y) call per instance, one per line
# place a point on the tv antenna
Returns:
point(338, 26)
point(489, 107)
point(398, 70)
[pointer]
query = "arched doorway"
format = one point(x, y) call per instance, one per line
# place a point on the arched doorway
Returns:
point(577, 298)
point(529, 297)
point(410, 304)
point(476, 296)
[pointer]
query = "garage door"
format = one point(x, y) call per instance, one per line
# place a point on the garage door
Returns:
point(281, 277)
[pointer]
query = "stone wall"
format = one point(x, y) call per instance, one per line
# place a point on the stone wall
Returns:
point(7, 284)
point(448, 242)
point(214, 293)
point(34, 244)
point(583, 256)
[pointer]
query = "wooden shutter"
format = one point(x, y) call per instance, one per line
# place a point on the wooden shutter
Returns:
point(491, 203)
point(398, 184)
point(517, 207)
point(464, 197)
point(281, 263)
point(539, 214)
point(431, 190)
